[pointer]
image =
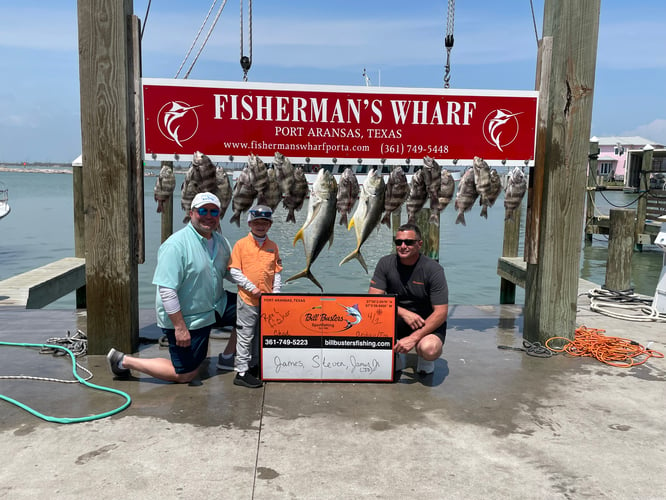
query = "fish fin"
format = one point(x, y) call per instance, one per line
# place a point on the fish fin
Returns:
point(299, 236)
point(387, 219)
point(291, 217)
point(356, 254)
point(351, 223)
point(461, 219)
point(235, 218)
point(484, 211)
point(305, 273)
point(343, 219)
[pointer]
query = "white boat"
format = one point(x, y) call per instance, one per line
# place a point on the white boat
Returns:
point(4, 201)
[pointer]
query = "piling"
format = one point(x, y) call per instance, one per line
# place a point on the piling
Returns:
point(620, 249)
point(641, 208)
point(591, 188)
point(510, 249)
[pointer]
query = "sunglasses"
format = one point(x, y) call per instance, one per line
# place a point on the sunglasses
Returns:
point(262, 214)
point(409, 243)
point(214, 212)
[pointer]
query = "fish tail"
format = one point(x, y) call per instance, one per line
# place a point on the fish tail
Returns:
point(356, 254)
point(484, 211)
point(235, 218)
point(305, 273)
point(387, 219)
point(343, 219)
point(434, 219)
point(299, 236)
point(461, 219)
point(351, 224)
point(290, 216)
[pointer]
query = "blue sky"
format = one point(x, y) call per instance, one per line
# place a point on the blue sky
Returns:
point(401, 44)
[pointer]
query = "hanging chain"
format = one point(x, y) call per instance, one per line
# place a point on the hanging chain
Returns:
point(246, 61)
point(448, 42)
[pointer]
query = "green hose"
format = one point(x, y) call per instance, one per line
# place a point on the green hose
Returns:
point(66, 420)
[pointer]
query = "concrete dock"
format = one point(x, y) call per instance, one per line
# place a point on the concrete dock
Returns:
point(491, 423)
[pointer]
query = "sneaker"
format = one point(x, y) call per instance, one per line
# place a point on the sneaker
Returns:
point(226, 364)
point(247, 380)
point(254, 371)
point(424, 367)
point(114, 358)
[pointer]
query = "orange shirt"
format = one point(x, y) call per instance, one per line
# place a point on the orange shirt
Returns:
point(258, 263)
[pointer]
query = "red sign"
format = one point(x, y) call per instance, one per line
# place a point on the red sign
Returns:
point(319, 122)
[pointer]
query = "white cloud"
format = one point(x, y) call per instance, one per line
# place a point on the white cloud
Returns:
point(655, 131)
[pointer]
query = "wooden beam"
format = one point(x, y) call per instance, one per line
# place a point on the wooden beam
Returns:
point(109, 144)
point(551, 283)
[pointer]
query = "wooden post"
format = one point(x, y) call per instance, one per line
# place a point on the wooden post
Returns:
point(429, 233)
point(620, 249)
point(167, 214)
point(79, 227)
point(510, 246)
point(139, 226)
point(551, 285)
point(109, 141)
point(641, 207)
point(591, 190)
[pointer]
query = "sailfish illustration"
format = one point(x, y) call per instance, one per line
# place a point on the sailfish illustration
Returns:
point(500, 119)
point(170, 117)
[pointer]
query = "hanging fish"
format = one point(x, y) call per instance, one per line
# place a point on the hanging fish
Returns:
point(348, 191)
point(293, 201)
point(446, 190)
point(258, 174)
point(272, 194)
point(466, 196)
point(514, 192)
point(488, 200)
point(397, 190)
point(418, 194)
point(207, 172)
point(164, 185)
point(284, 171)
point(244, 194)
point(189, 189)
point(481, 176)
point(223, 189)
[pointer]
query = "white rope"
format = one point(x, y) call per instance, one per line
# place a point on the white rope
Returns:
point(614, 304)
point(217, 16)
point(196, 38)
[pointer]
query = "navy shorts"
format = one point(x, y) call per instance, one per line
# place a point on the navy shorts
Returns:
point(403, 330)
point(188, 359)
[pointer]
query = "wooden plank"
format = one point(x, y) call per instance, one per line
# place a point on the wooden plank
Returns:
point(108, 143)
point(513, 269)
point(552, 283)
point(39, 287)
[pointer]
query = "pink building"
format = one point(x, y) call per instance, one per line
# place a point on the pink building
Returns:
point(619, 159)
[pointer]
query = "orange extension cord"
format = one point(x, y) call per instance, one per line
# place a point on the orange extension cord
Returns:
point(614, 351)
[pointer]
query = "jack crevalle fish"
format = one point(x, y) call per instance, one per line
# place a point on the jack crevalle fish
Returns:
point(164, 185)
point(293, 200)
point(514, 192)
point(466, 195)
point(368, 212)
point(319, 224)
point(244, 194)
point(488, 199)
point(418, 194)
point(348, 191)
point(397, 190)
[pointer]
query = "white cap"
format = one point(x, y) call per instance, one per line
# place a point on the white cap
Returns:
point(202, 199)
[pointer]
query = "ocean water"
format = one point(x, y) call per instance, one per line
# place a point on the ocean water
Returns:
point(40, 230)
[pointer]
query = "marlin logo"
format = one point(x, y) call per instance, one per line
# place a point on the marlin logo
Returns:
point(354, 313)
point(499, 125)
point(176, 115)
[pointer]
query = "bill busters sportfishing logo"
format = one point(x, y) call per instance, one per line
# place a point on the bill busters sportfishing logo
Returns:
point(500, 128)
point(178, 121)
point(318, 320)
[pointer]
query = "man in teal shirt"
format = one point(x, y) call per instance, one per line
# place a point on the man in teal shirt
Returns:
point(191, 265)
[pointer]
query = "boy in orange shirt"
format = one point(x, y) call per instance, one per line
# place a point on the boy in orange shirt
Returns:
point(255, 267)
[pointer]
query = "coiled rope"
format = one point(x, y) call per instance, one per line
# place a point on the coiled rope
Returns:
point(623, 304)
point(613, 351)
point(52, 348)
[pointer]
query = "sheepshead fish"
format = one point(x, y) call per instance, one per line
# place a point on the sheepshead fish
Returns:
point(207, 173)
point(397, 190)
point(223, 189)
point(368, 212)
point(447, 188)
point(481, 176)
point(418, 194)
point(258, 173)
point(272, 194)
point(514, 192)
point(348, 190)
point(293, 201)
point(466, 195)
point(318, 227)
point(189, 189)
point(284, 171)
point(164, 185)
point(244, 194)
point(488, 199)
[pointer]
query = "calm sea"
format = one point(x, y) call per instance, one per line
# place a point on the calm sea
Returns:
point(40, 230)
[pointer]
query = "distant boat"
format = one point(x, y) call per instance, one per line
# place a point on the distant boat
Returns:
point(4, 201)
